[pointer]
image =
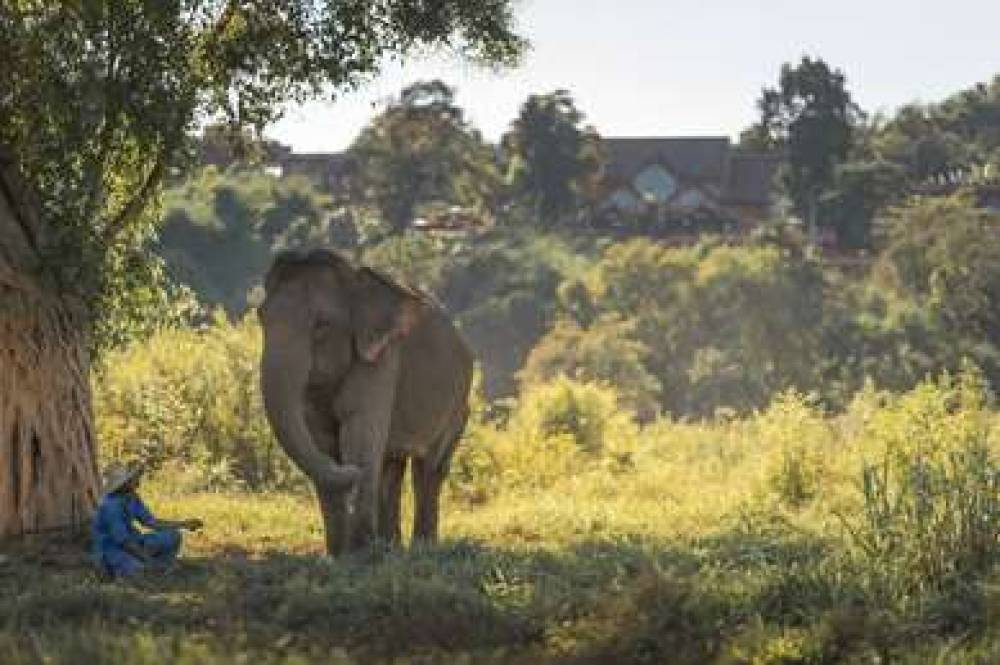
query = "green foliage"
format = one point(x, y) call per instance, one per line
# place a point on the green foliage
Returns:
point(870, 332)
point(945, 252)
point(189, 400)
point(724, 326)
point(221, 229)
point(933, 140)
point(556, 429)
point(605, 351)
point(475, 460)
point(585, 414)
point(931, 491)
point(223, 146)
point(798, 434)
point(419, 258)
point(552, 162)
point(141, 299)
point(860, 190)
point(420, 150)
point(693, 330)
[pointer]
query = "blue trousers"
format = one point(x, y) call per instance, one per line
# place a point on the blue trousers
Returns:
point(163, 546)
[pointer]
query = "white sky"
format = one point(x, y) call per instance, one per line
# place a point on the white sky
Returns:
point(690, 67)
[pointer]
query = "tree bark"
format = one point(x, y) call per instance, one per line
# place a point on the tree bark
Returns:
point(48, 470)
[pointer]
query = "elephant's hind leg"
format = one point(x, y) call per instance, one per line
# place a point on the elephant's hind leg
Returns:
point(392, 488)
point(427, 480)
point(428, 477)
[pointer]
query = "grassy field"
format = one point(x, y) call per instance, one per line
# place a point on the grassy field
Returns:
point(789, 537)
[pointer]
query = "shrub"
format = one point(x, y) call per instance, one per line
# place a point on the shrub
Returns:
point(930, 515)
point(796, 435)
point(560, 428)
point(585, 413)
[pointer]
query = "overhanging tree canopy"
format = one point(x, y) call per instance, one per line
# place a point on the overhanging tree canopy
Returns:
point(97, 98)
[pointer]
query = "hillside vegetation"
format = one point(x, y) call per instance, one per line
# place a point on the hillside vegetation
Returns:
point(543, 282)
point(682, 330)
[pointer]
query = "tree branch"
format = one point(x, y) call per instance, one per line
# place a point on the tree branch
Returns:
point(131, 210)
point(138, 203)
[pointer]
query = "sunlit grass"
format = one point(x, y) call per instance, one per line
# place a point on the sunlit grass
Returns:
point(735, 541)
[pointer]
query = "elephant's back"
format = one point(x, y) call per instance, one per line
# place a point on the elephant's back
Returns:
point(435, 376)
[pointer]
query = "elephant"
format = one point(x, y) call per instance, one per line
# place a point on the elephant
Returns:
point(359, 375)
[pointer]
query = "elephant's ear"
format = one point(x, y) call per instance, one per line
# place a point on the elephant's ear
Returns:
point(384, 311)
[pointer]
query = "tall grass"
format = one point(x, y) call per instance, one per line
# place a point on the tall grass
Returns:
point(930, 487)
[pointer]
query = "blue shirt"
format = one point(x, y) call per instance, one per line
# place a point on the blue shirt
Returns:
point(114, 521)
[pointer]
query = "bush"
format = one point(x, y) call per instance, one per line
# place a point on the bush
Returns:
point(606, 351)
point(188, 398)
point(796, 435)
point(474, 464)
point(585, 413)
point(558, 429)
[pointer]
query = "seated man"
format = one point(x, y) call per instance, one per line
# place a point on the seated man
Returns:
point(119, 547)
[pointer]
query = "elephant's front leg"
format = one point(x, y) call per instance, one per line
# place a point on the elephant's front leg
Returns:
point(333, 505)
point(427, 480)
point(362, 443)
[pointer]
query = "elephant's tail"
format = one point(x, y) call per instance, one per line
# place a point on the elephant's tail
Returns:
point(449, 440)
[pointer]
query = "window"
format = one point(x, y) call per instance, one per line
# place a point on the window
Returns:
point(655, 184)
point(625, 201)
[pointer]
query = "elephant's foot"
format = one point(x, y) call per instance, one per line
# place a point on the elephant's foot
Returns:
point(363, 542)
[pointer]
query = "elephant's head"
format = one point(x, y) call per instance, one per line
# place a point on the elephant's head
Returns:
point(320, 316)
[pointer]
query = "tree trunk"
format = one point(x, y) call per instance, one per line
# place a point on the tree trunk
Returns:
point(812, 227)
point(48, 471)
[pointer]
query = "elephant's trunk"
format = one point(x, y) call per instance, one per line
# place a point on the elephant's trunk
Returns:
point(285, 366)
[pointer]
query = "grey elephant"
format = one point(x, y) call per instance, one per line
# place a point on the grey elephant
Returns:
point(361, 374)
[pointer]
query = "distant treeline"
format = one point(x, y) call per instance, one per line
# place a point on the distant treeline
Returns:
point(719, 324)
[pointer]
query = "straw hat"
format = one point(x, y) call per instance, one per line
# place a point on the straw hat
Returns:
point(117, 475)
